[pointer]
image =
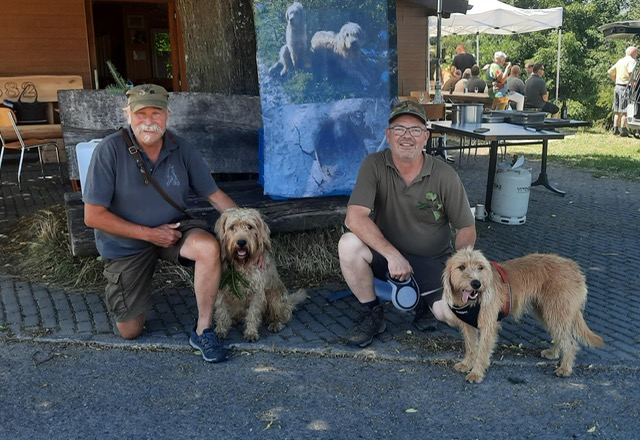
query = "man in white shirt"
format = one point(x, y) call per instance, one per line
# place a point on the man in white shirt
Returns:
point(620, 72)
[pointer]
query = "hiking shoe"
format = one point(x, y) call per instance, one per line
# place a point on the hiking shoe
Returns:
point(624, 132)
point(209, 345)
point(425, 321)
point(616, 131)
point(370, 323)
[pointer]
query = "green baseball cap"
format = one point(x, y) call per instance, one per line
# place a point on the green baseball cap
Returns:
point(408, 107)
point(147, 95)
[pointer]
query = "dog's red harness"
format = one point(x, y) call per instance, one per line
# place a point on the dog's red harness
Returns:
point(505, 280)
point(469, 313)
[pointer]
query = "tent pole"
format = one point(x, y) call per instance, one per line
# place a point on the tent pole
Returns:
point(437, 97)
point(558, 63)
point(428, 88)
point(478, 48)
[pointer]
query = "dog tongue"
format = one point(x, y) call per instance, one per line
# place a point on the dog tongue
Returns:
point(242, 252)
point(465, 296)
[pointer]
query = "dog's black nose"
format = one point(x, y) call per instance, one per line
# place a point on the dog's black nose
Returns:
point(475, 284)
point(242, 243)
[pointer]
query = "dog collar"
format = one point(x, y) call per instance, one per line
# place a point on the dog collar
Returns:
point(505, 280)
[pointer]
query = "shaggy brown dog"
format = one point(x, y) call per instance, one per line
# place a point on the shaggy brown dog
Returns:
point(550, 286)
point(257, 293)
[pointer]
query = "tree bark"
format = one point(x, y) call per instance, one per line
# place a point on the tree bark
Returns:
point(220, 46)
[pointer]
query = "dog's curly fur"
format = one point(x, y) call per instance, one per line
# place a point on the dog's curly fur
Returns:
point(244, 239)
point(553, 288)
point(341, 53)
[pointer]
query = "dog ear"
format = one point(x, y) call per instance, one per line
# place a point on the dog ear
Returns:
point(220, 225)
point(447, 291)
point(266, 232)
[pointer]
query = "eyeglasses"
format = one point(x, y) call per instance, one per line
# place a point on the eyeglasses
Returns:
point(399, 130)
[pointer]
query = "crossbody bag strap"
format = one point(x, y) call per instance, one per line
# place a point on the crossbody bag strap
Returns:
point(143, 168)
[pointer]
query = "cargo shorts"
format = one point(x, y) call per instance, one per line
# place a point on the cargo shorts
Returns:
point(129, 279)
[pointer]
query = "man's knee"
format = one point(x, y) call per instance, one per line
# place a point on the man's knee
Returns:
point(132, 328)
point(348, 243)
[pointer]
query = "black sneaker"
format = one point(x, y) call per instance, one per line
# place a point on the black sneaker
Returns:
point(624, 132)
point(370, 323)
point(616, 131)
point(209, 345)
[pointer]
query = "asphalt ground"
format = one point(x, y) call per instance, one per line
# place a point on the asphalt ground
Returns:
point(594, 224)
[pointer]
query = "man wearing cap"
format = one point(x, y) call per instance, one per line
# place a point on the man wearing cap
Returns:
point(135, 226)
point(400, 216)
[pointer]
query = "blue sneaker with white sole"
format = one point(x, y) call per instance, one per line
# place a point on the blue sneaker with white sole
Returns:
point(209, 345)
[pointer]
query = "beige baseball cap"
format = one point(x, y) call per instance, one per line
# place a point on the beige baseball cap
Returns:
point(147, 95)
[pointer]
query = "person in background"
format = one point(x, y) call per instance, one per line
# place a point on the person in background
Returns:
point(515, 85)
point(536, 95)
point(528, 67)
point(462, 85)
point(498, 73)
point(463, 60)
point(620, 73)
point(400, 217)
point(135, 226)
point(475, 84)
point(450, 84)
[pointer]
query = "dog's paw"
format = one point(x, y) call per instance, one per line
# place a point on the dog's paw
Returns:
point(474, 377)
point(251, 336)
point(222, 333)
point(462, 367)
point(563, 371)
point(275, 327)
point(549, 353)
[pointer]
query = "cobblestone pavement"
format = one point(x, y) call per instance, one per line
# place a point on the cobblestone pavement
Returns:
point(595, 224)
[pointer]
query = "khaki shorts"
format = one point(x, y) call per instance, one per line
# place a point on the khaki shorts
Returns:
point(128, 291)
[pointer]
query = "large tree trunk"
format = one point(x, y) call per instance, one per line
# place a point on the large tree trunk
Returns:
point(220, 46)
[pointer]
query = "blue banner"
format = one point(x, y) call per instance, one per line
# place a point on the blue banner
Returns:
point(324, 71)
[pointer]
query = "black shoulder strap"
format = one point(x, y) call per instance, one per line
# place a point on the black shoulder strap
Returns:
point(143, 169)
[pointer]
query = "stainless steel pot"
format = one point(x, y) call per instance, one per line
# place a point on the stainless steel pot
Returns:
point(467, 114)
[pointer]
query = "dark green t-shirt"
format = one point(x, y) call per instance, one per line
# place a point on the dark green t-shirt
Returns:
point(417, 219)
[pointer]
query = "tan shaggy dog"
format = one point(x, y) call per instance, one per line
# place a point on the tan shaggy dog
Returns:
point(244, 239)
point(553, 288)
point(294, 53)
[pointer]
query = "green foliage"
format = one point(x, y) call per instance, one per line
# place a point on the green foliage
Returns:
point(234, 281)
point(585, 53)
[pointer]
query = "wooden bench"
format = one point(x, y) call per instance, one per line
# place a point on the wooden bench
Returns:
point(47, 87)
point(285, 215)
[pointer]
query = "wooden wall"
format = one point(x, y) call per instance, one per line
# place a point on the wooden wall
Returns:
point(44, 37)
point(412, 47)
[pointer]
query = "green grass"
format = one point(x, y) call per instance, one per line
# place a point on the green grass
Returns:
point(601, 153)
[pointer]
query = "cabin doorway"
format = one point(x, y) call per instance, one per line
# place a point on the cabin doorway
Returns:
point(140, 40)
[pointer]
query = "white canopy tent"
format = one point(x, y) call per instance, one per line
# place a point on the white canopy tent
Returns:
point(497, 18)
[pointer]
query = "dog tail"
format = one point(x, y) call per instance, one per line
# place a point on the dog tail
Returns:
point(297, 297)
point(585, 334)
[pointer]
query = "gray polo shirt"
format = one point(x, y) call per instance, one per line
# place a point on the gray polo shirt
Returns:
point(406, 215)
point(115, 182)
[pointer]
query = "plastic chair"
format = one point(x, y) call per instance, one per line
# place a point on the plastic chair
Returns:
point(8, 119)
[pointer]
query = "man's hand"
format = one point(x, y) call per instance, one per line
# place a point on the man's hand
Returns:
point(165, 235)
point(399, 268)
